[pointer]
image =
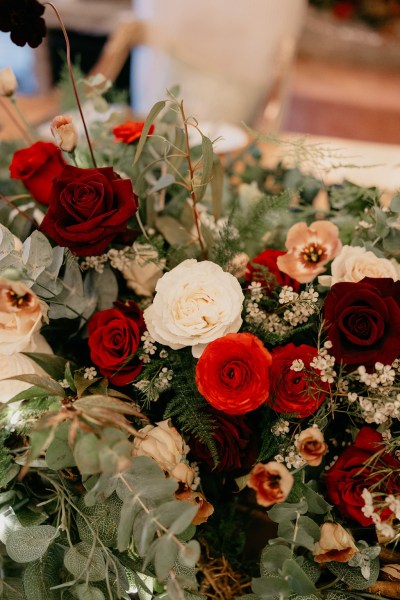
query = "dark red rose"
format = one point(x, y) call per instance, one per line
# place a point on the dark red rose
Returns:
point(344, 10)
point(36, 167)
point(235, 442)
point(88, 207)
point(23, 19)
point(267, 259)
point(114, 337)
point(130, 132)
point(295, 392)
point(356, 470)
point(363, 321)
point(232, 373)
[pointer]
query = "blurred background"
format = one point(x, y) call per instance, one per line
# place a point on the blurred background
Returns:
point(322, 67)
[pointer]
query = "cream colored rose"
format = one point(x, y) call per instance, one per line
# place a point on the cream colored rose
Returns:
point(64, 132)
point(8, 82)
point(195, 303)
point(143, 272)
point(353, 263)
point(335, 544)
point(21, 314)
point(165, 445)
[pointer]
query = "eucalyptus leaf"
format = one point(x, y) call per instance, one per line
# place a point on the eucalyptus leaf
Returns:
point(166, 552)
point(40, 576)
point(86, 592)
point(53, 365)
point(59, 454)
point(287, 511)
point(85, 562)
point(100, 520)
point(273, 557)
point(300, 583)
point(207, 166)
point(30, 543)
point(271, 587)
point(353, 575)
point(86, 454)
point(154, 112)
point(190, 553)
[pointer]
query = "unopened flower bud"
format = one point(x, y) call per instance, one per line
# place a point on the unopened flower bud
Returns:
point(64, 132)
point(8, 82)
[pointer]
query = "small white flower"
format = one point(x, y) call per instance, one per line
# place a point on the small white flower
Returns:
point(90, 373)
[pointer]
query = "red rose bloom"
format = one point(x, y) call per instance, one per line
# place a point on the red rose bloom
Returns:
point(344, 10)
point(114, 337)
point(267, 259)
point(88, 207)
point(235, 444)
point(354, 471)
point(130, 132)
point(36, 167)
point(232, 373)
point(295, 392)
point(363, 321)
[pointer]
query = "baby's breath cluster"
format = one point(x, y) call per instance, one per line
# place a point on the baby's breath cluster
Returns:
point(301, 306)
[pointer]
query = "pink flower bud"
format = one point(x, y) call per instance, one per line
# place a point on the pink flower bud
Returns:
point(8, 82)
point(65, 133)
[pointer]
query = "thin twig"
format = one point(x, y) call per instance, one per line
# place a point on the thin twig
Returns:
point(16, 122)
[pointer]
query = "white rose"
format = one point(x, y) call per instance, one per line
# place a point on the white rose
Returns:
point(142, 273)
point(21, 314)
point(354, 263)
point(195, 303)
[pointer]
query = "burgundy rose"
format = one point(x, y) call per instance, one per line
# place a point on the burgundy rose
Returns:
point(300, 392)
point(363, 321)
point(88, 208)
point(114, 337)
point(267, 260)
point(356, 470)
point(36, 167)
point(235, 444)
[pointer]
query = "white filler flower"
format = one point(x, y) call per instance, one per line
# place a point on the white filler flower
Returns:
point(195, 303)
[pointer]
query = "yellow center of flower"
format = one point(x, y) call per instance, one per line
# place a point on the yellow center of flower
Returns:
point(18, 301)
point(312, 254)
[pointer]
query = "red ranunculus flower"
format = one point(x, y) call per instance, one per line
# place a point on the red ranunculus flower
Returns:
point(267, 259)
point(130, 132)
point(36, 167)
point(355, 470)
point(363, 321)
point(114, 337)
point(235, 442)
point(232, 373)
point(295, 392)
point(88, 207)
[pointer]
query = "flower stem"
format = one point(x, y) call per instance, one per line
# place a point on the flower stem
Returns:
point(25, 133)
point(191, 175)
point(67, 44)
point(19, 211)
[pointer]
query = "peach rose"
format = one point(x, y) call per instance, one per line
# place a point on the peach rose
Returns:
point(198, 499)
point(311, 446)
point(271, 481)
point(335, 544)
point(8, 82)
point(309, 249)
point(64, 132)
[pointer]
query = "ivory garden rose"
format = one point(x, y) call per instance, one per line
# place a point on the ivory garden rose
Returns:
point(195, 303)
point(353, 263)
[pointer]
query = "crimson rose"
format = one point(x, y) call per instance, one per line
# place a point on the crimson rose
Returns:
point(114, 337)
point(363, 321)
point(267, 259)
point(354, 471)
point(88, 207)
point(295, 392)
point(36, 167)
point(232, 373)
point(235, 444)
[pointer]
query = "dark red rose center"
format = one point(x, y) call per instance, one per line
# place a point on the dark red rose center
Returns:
point(362, 326)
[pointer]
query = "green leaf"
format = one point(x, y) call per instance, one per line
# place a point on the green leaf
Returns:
point(287, 511)
point(41, 575)
point(353, 576)
point(129, 511)
point(69, 377)
point(154, 111)
point(270, 587)
point(30, 543)
point(52, 387)
point(85, 562)
point(217, 187)
point(173, 231)
point(190, 554)
point(207, 165)
point(59, 454)
point(29, 394)
point(310, 527)
point(164, 181)
point(87, 454)
point(300, 583)
point(13, 589)
point(85, 592)
point(273, 557)
point(316, 503)
point(395, 203)
point(166, 552)
point(102, 518)
point(176, 516)
point(53, 365)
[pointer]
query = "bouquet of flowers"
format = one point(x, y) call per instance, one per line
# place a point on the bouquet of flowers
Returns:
point(375, 13)
point(199, 364)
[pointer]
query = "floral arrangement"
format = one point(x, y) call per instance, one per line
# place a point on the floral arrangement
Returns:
point(199, 364)
point(377, 13)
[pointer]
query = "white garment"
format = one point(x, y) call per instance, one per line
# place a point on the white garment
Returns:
point(224, 54)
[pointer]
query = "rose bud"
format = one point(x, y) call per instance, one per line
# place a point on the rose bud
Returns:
point(8, 82)
point(272, 483)
point(335, 544)
point(64, 132)
point(311, 446)
point(205, 508)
